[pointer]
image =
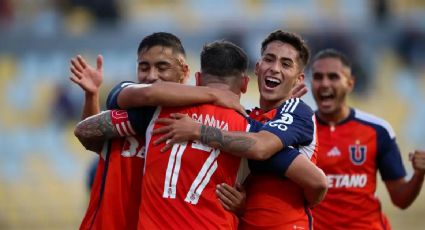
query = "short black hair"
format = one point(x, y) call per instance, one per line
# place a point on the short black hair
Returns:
point(162, 39)
point(332, 53)
point(292, 39)
point(223, 59)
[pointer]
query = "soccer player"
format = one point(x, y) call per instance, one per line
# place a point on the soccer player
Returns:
point(273, 202)
point(115, 196)
point(354, 145)
point(178, 189)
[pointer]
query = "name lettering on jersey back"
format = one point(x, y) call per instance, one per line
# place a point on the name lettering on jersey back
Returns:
point(210, 120)
point(347, 180)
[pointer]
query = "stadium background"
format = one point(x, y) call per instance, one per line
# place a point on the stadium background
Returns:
point(43, 168)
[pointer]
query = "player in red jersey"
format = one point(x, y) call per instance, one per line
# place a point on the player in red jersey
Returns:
point(273, 202)
point(115, 196)
point(90, 79)
point(354, 145)
point(179, 187)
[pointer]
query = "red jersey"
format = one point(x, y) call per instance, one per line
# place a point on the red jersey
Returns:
point(274, 202)
point(94, 193)
point(115, 195)
point(350, 154)
point(179, 186)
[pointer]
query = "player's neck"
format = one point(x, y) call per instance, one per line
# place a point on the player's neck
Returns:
point(336, 117)
point(224, 86)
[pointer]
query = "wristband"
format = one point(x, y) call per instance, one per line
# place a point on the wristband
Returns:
point(121, 122)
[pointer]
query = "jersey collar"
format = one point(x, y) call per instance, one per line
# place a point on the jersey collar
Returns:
point(347, 119)
point(261, 115)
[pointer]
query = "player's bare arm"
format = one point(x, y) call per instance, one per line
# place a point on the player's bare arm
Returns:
point(403, 192)
point(174, 94)
point(311, 178)
point(257, 146)
point(95, 130)
point(89, 79)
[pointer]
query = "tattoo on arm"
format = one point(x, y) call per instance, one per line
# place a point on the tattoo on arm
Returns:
point(99, 126)
point(95, 130)
point(234, 142)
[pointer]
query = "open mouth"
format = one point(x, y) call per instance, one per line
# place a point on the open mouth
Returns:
point(326, 96)
point(272, 82)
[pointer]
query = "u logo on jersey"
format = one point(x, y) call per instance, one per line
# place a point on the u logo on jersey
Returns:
point(358, 154)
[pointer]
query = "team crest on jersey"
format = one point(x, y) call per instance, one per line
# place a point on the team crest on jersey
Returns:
point(358, 154)
point(285, 119)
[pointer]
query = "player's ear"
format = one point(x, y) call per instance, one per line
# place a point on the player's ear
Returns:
point(300, 78)
point(244, 85)
point(198, 78)
point(256, 69)
point(351, 81)
point(186, 73)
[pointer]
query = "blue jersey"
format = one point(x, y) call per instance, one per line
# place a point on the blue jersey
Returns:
point(271, 197)
point(294, 124)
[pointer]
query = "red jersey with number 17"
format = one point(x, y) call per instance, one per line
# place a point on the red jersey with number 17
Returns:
point(179, 186)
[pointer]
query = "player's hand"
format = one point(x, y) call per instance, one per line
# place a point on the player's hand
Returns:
point(299, 90)
point(232, 198)
point(418, 160)
point(84, 75)
point(178, 128)
point(228, 99)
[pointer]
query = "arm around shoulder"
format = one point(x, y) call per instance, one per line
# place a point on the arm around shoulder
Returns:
point(174, 94)
point(164, 94)
point(311, 178)
point(255, 146)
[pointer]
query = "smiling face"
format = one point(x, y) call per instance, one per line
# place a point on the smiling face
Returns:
point(277, 71)
point(160, 63)
point(331, 82)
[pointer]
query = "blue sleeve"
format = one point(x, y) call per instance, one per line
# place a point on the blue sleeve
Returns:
point(389, 160)
point(293, 123)
point(277, 164)
point(254, 126)
point(112, 100)
point(140, 118)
